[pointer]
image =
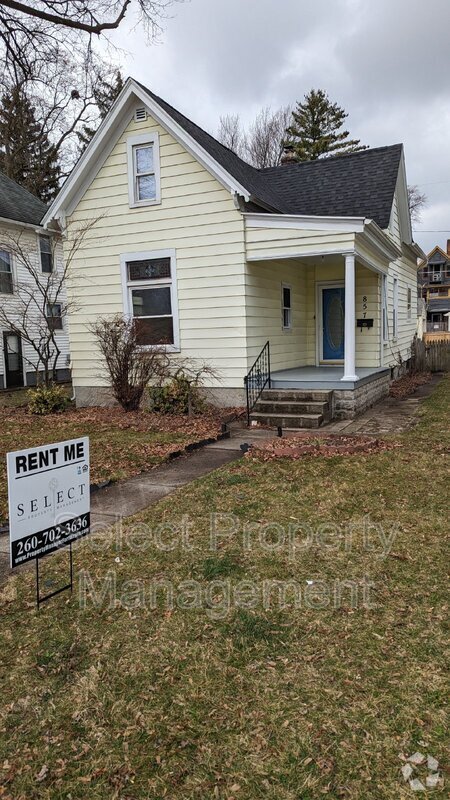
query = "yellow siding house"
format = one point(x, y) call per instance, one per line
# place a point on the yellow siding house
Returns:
point(311, 266)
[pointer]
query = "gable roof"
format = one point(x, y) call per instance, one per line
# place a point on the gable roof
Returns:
point(357, 185)
point(17, 204)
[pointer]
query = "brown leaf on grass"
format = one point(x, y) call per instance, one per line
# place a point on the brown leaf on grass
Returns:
point(42, 774)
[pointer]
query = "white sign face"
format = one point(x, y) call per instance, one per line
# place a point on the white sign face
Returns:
point(49, 498)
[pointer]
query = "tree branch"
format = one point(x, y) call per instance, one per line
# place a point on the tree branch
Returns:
point(96, 28)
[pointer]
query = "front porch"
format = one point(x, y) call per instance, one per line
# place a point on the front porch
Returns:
point(323, 377)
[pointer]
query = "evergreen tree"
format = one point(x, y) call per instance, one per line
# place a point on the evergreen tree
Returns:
point(26, 154)
point(105, 93)
point(315, 128)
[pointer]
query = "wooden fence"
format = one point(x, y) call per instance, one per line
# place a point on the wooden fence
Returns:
point(430, 356)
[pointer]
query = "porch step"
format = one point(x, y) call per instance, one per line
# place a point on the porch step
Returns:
point(298, 395)
point(292, 407)
point(288, 420)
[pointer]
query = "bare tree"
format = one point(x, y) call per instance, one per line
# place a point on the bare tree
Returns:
point(30, 31)
point(231, 134)
point(262, 144)
point(266, 137)
point(417, 201)
point(39, 302)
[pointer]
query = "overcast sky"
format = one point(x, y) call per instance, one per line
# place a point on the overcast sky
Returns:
point(386, 61)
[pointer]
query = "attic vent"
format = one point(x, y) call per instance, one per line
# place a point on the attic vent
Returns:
point(140, 115)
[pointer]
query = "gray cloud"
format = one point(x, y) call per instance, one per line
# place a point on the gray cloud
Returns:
point(387, 62)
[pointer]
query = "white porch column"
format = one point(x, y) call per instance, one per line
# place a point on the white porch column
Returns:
point(350, 320)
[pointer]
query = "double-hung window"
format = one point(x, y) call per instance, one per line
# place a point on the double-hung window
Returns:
point(384, 307)
point(6, 277)
point(54, 316)
point(46, 254)
point(151, 297)
point(143, 170)
point(286, 307)
point(395, 309)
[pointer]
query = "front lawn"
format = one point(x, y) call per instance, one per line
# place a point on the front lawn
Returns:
point(121, 444)
point(184, 683)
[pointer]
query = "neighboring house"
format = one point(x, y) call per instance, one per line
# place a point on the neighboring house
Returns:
point(434, 284)
point(216, 258)
point(20, 232)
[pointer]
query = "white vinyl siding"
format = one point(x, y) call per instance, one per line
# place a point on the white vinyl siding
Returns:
point(29, 242)
point(197, 219)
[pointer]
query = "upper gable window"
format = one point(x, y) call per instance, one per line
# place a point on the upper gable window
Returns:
point(143, 170)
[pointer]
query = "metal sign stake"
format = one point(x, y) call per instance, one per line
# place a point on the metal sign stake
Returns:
point(42, 599)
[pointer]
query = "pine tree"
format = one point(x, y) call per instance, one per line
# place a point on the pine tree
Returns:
point(26, 154)
point(315, 128)
point(105, 93)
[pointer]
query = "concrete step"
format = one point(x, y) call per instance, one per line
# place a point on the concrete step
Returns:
point(298, 395)
point(292, 407)
point(288, 420)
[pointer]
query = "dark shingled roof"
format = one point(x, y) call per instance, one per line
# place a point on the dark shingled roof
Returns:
point(18, 204)
point(356, 185)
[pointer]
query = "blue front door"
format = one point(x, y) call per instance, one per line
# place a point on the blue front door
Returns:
point(333, 300)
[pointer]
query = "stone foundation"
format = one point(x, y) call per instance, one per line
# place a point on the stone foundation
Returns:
point(94, 396)
point(349, 403)
point(102, 396)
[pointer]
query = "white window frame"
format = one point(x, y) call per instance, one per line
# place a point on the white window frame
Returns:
point(140, 141)
point(286, 308)
point(384, 310)
point(6, 249)
point(127, 287)
point(395, 308)
point(54, 316)
point(409, 302)
point(42, 236)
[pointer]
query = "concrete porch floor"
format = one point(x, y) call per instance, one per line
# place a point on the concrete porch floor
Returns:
point(323, 377)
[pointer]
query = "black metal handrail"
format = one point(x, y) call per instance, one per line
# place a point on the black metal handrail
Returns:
point(257, 379)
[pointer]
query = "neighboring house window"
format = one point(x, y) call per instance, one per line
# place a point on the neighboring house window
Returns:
point(6, 278)
point(384, 308)
point(409, 303)
point(54, 316)
point(395, 309)
point(45, 249)
point(151, 297)
point(143, 170)
point(286, 303)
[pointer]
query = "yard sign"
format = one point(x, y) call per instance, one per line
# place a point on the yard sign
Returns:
point(49, 499)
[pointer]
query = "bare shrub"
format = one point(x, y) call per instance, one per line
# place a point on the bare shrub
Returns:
point(129, 366)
